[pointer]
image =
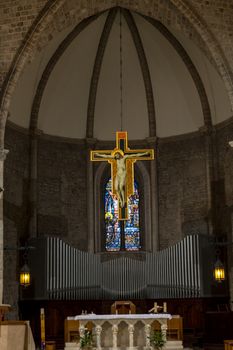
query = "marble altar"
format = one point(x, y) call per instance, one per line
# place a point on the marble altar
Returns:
point(116, 331)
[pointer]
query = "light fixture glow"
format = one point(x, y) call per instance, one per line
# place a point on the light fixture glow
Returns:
point(219, 272)
point(25, 276)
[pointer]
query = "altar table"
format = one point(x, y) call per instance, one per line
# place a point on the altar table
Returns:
point(120, 330)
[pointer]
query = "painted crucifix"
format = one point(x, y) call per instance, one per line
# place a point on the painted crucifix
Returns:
point(122, 160)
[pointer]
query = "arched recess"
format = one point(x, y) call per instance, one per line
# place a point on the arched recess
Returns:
point(102, 174)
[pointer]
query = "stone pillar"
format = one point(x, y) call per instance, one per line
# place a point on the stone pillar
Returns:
point(98, 331)
point(114, 336)
point(212, 176)
point(131, 333)
point(33, 185)
point(3, 154)
point(90, 196)
point(152, 142)
point(147, 336)
point(164, 330)
point(81, 332)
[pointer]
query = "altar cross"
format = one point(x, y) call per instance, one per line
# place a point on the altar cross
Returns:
point(122, 160)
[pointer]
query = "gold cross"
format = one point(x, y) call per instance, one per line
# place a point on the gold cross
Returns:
point(122, 160)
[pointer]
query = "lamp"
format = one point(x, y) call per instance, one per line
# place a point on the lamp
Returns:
point(219, 271)
point(25, 276)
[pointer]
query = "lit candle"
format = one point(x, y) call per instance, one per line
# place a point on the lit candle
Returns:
point(164, 307)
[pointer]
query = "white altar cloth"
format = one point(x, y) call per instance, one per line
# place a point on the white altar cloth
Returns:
point(117, 331)
point(93, 317)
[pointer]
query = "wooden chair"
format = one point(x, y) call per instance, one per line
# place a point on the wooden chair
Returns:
point(71, 330)
point(174, 328)
point(123, 307)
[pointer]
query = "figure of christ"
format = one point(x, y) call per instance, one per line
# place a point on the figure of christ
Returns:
point(120, 179)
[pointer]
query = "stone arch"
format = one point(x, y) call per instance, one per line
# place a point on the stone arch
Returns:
point(100, 176)
point(21, 57)
point(211, 42)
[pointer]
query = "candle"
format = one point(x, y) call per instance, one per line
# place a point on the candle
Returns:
point(164, 307)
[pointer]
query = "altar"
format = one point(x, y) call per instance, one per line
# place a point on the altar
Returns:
point(116, 331)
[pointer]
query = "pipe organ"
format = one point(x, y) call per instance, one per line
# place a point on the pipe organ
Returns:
point(64, 272)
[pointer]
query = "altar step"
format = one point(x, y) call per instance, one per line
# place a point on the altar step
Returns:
point(170, 345)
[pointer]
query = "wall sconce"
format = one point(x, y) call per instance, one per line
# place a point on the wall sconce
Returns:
point(219, 271)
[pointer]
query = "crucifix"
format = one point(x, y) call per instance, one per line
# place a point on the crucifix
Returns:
point(122, 160)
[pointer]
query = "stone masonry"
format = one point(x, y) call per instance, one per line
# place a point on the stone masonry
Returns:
point(25, 28)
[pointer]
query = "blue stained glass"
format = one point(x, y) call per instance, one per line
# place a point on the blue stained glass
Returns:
point(112, 225)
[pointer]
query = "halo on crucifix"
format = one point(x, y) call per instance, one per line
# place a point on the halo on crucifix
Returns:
point(122, 160)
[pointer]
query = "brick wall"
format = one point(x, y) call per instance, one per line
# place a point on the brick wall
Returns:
point(182, 187)
point(62, 202)
point(62, 192)
point(15, 213)
point(16, 17)
point(62, 207)
point(225, 158)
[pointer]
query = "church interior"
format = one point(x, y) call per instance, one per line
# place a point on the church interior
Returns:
point(116, 174)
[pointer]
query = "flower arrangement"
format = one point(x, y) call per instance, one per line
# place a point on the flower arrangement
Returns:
point(157, 339)
point(86, 339)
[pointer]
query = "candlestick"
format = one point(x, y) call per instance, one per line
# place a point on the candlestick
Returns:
point(164, 307)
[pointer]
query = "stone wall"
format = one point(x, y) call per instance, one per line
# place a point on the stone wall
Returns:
point(62, 192)
point(225, 158)
point(182, 182)
point(15, 213)
point(62, 187)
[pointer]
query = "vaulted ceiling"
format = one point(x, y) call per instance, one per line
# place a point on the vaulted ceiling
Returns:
point(72, 88)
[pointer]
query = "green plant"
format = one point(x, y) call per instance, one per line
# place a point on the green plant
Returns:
point(157, 339)
point(86, 339)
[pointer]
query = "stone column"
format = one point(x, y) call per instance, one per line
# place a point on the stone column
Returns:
point(131, 334)
point(90, 196)
point(164, 329)
point(152, 142)
point(98, 331)
point(33, 185)
point(147, 336)
point(81, 332)
point(212, 178)
point(114, 336)
point(3, 154)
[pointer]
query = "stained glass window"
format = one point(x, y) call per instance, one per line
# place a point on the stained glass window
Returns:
point(113, 226)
